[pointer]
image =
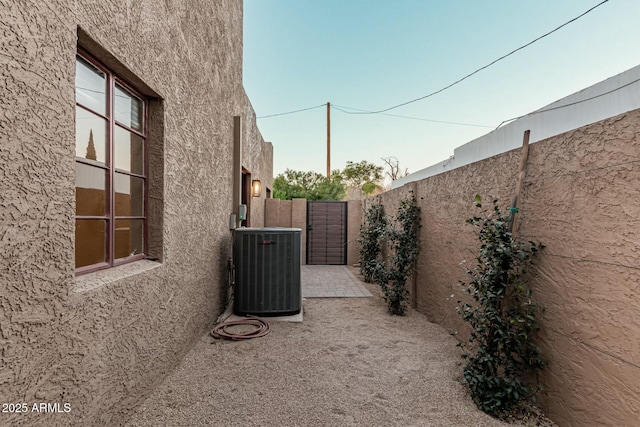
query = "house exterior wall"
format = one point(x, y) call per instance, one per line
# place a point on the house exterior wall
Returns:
point(101, 341)
point(257, 158)
point(579, 200)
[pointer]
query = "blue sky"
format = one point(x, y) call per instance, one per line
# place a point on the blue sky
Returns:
point(371, 55)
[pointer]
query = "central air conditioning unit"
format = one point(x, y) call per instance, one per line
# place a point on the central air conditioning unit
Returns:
point(267, 271)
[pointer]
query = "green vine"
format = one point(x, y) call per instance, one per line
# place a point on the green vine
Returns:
point(372, 231)
point(402, 240)
point(501, 348)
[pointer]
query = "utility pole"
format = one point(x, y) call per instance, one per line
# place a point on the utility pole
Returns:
point(328, 140)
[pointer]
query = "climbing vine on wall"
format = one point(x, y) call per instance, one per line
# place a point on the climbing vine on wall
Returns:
point(372, 232)
point(503, 316)
point(402, 240)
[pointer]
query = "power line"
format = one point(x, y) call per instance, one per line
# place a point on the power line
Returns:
point(570, 104)
point(292, 112)
point(363, 112)
point(484, 67)
point(340, 108)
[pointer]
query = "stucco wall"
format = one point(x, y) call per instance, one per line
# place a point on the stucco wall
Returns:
point(289, 214)
point(257, 158)
point(580, 200)
point(354, 219)
point(101, 341)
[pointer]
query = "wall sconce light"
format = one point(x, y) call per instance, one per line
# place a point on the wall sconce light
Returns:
point(256, 188)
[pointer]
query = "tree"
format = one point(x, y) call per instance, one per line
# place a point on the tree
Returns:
point(393, 168)
point(308, 185)
point(362, 175)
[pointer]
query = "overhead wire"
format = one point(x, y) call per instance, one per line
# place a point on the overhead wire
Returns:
point(484, 67)
point(292, 112)
point(358, 111)
point(544, 110)
point(341, 108)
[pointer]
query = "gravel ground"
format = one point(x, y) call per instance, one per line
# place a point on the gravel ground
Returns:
point(348, 363)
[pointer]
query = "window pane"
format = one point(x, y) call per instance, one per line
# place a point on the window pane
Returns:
point(129, 237)
point(90, 87)
point(90, 190)
point(91, 132)
point(91, 241)
point(129, 149)
point(129, 195)
point(128, 109)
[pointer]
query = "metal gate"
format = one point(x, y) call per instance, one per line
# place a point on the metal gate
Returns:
point(327, 233)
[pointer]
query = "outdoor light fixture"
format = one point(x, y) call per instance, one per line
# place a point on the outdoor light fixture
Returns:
point(256, 188)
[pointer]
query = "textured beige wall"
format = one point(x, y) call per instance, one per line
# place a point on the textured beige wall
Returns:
point(290, 214)
point(582, 202)
point(299, 220)
point(257, 158)
point(580, 199)
point(354, 219)
point(272, 213)
point(102, 341)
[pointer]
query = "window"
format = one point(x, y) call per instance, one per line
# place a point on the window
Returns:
point(111, 169)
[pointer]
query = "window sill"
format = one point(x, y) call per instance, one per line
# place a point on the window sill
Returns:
point(91, 281)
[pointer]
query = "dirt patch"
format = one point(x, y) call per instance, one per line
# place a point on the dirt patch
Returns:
point(348, 363)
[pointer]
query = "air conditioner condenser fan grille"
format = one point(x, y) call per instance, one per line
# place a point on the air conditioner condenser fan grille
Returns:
point(267, 264)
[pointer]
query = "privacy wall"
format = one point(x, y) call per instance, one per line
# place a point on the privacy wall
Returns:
point(92, 346)
point(580, 199)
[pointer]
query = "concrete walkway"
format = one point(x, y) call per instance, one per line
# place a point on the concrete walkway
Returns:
point(331, 281)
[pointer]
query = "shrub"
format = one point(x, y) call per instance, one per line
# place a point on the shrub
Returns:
point(501, 348)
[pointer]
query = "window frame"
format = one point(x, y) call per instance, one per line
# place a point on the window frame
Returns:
point(110, 217)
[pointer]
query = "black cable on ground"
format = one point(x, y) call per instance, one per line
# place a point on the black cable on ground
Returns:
point(262, 328)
